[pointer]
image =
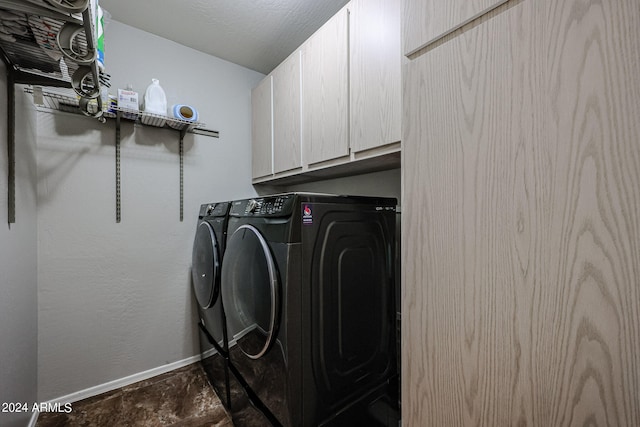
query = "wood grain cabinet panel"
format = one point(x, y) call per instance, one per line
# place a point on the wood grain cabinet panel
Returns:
point(428, 20)
point(376, 94)
point(325, 91)
point(521, 221)
point(286, 115)
point(261, 129)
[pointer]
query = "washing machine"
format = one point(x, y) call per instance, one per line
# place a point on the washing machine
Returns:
point(309, 293)
point(208, 250)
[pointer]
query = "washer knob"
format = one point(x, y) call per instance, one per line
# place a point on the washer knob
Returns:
point(210, 209)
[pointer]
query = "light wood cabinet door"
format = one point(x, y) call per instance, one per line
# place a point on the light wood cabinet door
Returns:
point(428, 20)
point(521, 221)
point(262, 129)
point(375, 69)
point(325, 91)
point(286, 115)
point(467, 356)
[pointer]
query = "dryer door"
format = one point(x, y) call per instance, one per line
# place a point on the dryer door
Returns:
point(251, 291)
point(206, 266)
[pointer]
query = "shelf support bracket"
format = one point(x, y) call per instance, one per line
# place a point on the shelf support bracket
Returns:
point(17, 76)
point(118, 137)
point(183, 132)
point(11, 147)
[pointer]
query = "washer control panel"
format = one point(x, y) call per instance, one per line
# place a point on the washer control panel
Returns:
point(214, 209)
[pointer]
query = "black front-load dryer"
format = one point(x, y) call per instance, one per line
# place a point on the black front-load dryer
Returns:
point(309, 288)
point(208, 251)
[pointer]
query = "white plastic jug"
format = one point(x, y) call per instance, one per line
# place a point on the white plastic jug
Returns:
point(155, 100)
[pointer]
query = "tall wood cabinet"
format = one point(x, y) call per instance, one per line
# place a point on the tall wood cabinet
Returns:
point(521, 219)
point(427, 21)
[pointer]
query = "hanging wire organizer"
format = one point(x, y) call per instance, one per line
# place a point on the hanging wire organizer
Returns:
point(34, 54)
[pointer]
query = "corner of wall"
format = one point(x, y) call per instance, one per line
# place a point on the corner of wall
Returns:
point(18, 263)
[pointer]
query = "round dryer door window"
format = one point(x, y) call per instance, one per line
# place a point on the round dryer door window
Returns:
point(251, 290)
point(206, 266)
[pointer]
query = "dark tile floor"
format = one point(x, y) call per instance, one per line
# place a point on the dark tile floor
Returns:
point(180, 398)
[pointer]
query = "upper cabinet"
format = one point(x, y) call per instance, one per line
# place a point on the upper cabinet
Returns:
point(429, 20)
point(375, 85)
point(287, 153)
point(262, 129)
point(325, 91)
point(336, 102)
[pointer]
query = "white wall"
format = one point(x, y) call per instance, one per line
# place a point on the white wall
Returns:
point(115, 299)
point(382, 184)
point(18, 264)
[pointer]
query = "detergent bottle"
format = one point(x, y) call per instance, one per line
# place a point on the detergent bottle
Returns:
point(155, 100)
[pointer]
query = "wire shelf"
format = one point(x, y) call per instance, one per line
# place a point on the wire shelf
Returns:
point(67, 101)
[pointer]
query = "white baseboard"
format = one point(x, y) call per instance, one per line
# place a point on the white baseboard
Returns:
point(34, 419)
point(122, 382)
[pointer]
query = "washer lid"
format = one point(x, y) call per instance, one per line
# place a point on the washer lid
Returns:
point(206, 265)
point(251, 290)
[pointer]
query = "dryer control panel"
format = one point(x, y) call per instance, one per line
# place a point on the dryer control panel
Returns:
point(272, 206)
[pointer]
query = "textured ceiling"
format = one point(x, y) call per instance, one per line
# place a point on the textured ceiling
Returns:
point(257, 34)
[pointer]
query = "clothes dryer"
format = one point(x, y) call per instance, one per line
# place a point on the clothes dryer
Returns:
point(208, 250)
point(309, 289)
